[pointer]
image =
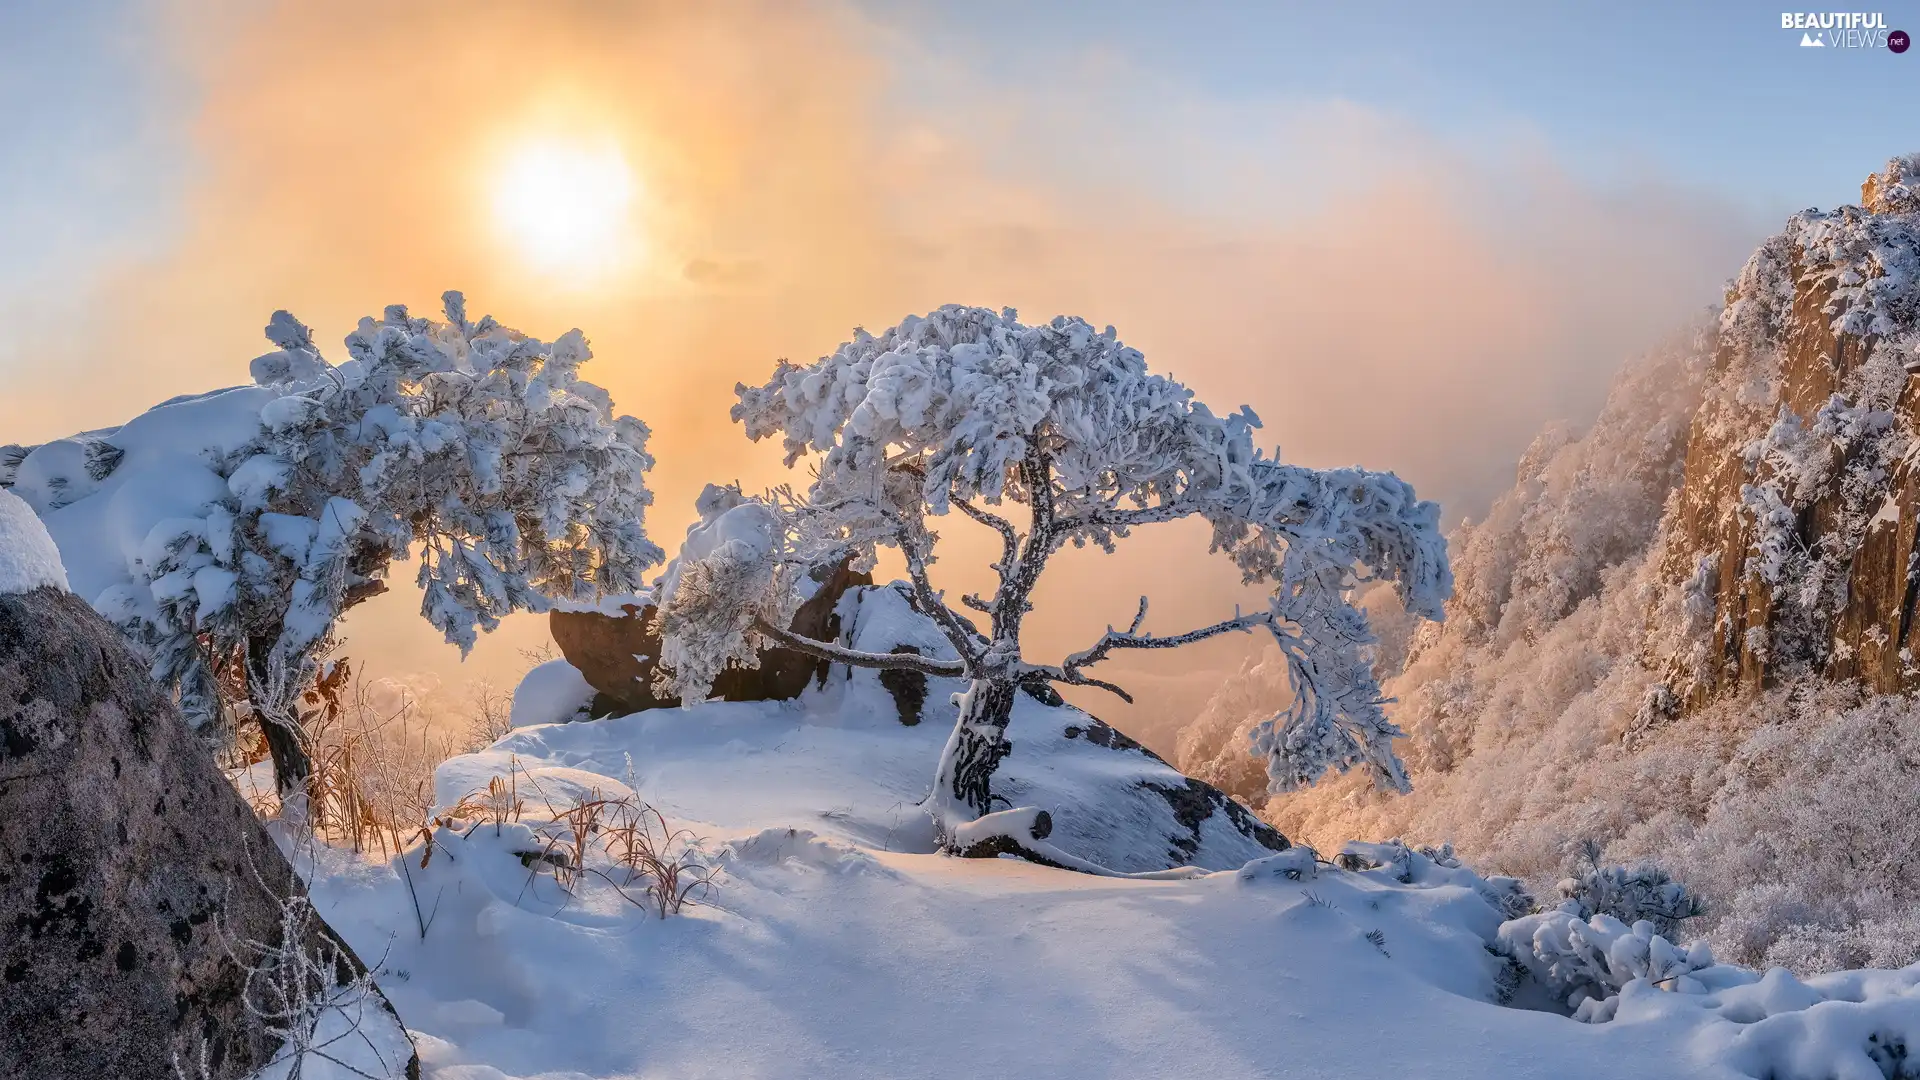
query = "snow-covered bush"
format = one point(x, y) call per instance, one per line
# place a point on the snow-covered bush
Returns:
point(969, 409)
point(724, 578)
point(1585, 963)
point(1632, 895)
point(232, 530)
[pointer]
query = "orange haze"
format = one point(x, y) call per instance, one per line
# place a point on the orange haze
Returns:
point(1379, 297)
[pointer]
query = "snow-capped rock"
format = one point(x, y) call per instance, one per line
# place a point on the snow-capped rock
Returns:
point(28, 557)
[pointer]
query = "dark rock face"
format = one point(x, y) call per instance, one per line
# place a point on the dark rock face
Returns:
point(617, 654)
point(1796, 533)
point(1192, 801)
point(125, 856)
point(1115, 803)
point(908, 688)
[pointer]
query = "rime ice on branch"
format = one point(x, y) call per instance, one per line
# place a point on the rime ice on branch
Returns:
point(967, 409)
point(475, 445)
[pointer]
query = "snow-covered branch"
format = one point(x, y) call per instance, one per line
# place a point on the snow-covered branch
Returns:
point(840, 654)
point(1009, 537)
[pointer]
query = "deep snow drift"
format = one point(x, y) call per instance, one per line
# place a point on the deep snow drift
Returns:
point(832, 945)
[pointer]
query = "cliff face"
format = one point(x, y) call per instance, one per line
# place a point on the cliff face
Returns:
point(1793, 538)
point(1741, 514)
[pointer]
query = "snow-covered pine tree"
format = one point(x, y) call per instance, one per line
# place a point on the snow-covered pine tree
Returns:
point(474, 444)
point(968, 409)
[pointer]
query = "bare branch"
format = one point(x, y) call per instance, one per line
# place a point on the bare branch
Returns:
point(1133, 639)
point(959, 632)
point(1010, 539)
point(973, 601)
point(1075, 678)
point(926, 665)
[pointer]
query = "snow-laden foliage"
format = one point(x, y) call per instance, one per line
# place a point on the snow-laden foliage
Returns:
point(969, 409)
point(1848, 449)
point(1632, 894)
point(1212, 746)
point(249, 523)
point(722, 580)
point(1584, 962)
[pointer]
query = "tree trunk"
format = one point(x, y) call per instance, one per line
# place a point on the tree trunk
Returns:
point(279, 722)
point(963, 785)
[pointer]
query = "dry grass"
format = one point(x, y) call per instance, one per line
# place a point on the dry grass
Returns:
point(375, 745)
point(622, 841)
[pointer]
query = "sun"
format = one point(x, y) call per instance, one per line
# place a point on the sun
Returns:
point(566, 206)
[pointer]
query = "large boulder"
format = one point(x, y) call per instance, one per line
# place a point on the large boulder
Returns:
point(617, 650)
point(1111, 801)
point(131, 871)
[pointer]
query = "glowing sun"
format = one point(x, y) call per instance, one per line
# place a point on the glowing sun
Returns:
point(566, 206)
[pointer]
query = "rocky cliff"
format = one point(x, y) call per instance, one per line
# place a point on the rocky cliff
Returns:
point(1681, 633)
point(1794, 533)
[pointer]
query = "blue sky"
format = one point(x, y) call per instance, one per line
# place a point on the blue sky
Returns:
point(1715, 95)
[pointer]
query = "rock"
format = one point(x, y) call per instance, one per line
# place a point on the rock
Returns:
point(617, 653)
point(126, 862)
point(908, 688)
point(1823, 325)
point(1895, 189)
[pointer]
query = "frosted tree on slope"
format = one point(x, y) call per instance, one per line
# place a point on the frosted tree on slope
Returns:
point(967, 409)
point(475, 445)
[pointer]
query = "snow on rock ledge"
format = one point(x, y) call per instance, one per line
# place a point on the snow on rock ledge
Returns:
point(28, 557)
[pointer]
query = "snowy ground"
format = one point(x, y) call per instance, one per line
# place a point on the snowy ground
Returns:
point(835, 947)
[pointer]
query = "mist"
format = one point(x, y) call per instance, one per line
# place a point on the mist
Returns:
point(1379, 295)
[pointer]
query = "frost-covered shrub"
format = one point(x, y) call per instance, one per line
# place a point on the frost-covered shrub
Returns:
point(1585, 963)
point(1640, 893)
point(726, 576)
point(229, 531)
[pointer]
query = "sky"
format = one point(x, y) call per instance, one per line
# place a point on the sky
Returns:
point(1408, 235)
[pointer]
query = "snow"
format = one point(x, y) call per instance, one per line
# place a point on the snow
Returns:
point(730, 526)
point(101, 526)
point(835, 944)
point(28, 557)
point(612, 605)
point(549, 694)
point(474, 448)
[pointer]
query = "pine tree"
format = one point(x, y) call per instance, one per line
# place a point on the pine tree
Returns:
point(970, 410)
point(474, 445)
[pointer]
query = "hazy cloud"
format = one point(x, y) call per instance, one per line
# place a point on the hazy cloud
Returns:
point(1379, 297)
